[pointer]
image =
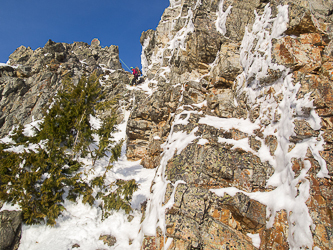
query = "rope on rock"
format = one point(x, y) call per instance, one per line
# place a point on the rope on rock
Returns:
point(125, 64)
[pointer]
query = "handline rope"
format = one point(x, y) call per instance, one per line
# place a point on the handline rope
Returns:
point(124, 64)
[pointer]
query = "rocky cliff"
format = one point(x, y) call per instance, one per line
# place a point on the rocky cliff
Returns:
point(235, 115)
point(239, 125)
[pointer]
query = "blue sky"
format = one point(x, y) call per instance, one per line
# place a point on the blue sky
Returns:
point(113, 22)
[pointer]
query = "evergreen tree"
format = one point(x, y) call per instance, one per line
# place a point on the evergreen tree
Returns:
point(38, 178)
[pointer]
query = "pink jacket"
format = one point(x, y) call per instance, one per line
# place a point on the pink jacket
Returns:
point(134, 72)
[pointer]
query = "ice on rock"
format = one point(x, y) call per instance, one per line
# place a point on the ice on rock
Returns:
point(222, 18)
point(290, 193)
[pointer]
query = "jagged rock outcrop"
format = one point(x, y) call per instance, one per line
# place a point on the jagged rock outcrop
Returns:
point(265, 68)
point(31, 78)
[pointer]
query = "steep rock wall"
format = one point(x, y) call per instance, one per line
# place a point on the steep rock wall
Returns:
point(239, 125)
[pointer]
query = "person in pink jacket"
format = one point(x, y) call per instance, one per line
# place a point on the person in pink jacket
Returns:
point(136, 74)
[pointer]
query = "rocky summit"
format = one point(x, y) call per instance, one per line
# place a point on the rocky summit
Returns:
point(235, 118)
point(31, 78)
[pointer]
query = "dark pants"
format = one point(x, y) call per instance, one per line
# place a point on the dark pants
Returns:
point(134, 80)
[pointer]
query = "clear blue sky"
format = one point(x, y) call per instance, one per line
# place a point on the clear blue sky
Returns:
point(114, 22)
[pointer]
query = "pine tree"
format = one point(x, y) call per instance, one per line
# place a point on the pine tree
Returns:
point(37, 179)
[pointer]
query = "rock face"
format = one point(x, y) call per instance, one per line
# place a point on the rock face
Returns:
point(250, 85)
point(10, 229)
point(33, 77)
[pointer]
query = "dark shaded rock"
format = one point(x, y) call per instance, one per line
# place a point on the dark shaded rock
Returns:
point(10, 229)
point(7, 71)
point(254, 143)
point(211, 231)
point(271, 142)
point(305, 25)
point(13, 85)
point(303, 130)
point(250, 213)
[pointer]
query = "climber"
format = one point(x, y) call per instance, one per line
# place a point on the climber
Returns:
point(136, 73)
point(135, 76)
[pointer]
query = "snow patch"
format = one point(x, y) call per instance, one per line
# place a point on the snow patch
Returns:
point(203, 141)
point(245, 126)
point(255, 239)
point(95, 122)
point(10, 207)
point(242, 143)
point(179, 39)
point(200, 105)
point(7, 64)
point(174, 3)
point(144, 61)
point(222, 18)
point(30, 129)
point(185, 120)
